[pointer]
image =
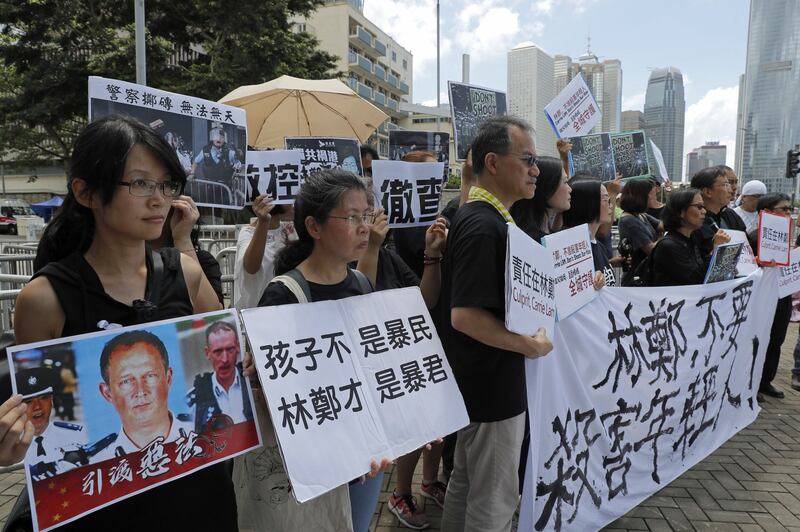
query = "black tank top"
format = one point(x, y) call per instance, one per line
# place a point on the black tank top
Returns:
point(204, 500)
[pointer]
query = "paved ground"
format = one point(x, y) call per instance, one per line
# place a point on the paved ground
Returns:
point(751, 483)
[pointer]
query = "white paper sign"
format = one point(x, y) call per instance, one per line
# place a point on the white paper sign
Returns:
point(274, 172)
point(640, 386)
point(341, 378)
point(574, 112)
point(408, 192)
point(573, 268)
point(774, 238)
point(659, 157)
point(530, 285)
point(747, 260)
point(789, 280)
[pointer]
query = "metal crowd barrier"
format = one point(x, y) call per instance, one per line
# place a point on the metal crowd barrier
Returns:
point(217, 193)
point(214, 232)
point(7, 299)
point(18, 264)
point(226, 259)
point(22, 248)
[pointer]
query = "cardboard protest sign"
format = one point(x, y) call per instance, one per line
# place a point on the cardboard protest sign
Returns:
point(530, 285)
point(274, 172)
point(774, 238)
point(641, 386)
point(630, 154)
point(470, 105)
point(789, 280)
point(130, 380)
point(660, 164)
point(209, 138)
point(722, 266)
point(574, 112)
point(408, 192)
point(592, 154)
point(344, 382)
point(327, 152)
point(401, 142)
point(747, 260)
point(573, 268)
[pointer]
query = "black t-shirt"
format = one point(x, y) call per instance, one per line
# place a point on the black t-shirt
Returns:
point(393, 272)
point(602, 263)
point(655, 212)
point(638, 231)
point(276, 293)
point(212, 272)
point(409, 242)
point(491, 380)
point(172, 506)
point(678, 261)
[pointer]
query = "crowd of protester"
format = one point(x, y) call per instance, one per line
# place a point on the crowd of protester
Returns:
point(125, 212)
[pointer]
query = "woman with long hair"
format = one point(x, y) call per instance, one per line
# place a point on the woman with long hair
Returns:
point(541, 215)
point(638, 231)
point(589, 205)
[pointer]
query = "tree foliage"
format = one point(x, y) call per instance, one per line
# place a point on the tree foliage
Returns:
point(204, 48)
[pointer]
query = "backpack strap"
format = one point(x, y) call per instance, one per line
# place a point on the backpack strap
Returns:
point(364, 283)
point(154, 290)
point(296, 283)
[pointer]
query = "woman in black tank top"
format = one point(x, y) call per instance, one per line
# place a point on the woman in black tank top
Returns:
point(94, 269)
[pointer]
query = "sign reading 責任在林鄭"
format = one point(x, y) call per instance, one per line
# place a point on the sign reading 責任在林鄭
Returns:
point(574, 112)
point(573, 268)
point(346, 378)
point(209, 138)
point(789, 280)
point(408, 192)
point(469, 107)
point(774, 238)
point(530, 285)
point(277, 173)
point(640, 386)
point(327, 152)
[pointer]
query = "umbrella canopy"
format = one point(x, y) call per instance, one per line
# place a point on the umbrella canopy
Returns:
point(294, 107)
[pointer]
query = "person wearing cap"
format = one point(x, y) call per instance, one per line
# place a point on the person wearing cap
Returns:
point(751, 192)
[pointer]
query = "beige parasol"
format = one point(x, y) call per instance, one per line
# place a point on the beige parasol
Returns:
point(291, 107)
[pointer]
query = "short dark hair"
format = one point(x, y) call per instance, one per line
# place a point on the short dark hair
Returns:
point(366, 149)
point(706, 177)
point(768, 201)
point(531, 214)
point(584, 202)
point(218, 326)
point(678, 202)
point(128, 339)
point(494, 136)
point(634, 195)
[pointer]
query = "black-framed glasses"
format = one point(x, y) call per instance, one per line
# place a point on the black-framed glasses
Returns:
point(358, 219)
point(144, 188)
point(527, 158)
point(698, 206)
point(783, 209)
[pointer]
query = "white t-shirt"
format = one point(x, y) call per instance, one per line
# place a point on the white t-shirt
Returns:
point(750, 219)
point(247, 288)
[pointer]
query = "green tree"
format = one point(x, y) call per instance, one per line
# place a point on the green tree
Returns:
point(205, 48)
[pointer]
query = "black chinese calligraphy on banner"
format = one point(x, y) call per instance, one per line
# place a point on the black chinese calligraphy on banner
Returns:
point(640, 386)
point(469, 107)
point(327, 152)
point(209, 138)
point(408, 192)
point(344, 382)
point(276, 173)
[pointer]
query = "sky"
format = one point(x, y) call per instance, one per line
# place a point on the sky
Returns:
point(705, 39)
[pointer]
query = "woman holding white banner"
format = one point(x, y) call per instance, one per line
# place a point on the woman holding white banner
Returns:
point(541, 215)
point(332, 219)
point(95, 270)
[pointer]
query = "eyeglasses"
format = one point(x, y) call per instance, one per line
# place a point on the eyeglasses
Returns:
point(783, 209)
point(144, 188)
point(357, 220)
point(527, 158)
point(698, 206)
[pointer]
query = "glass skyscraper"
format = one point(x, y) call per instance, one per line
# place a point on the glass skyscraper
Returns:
point(769, 123)
point(664, 114)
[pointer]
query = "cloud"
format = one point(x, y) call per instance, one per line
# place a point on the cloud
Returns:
point(546, 7)
point(713, 117)
point(492, 35)
point(633, 103)
point(444, 98)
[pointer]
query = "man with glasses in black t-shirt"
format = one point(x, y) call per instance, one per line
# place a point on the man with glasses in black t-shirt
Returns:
point(487, 359)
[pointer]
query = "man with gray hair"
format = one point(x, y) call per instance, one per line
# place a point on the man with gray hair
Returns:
point(488, 361)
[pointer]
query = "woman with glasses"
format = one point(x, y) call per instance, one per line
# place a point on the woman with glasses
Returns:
point(541, 215)
point(677, 260)
point(332, 218)
point(95, 270)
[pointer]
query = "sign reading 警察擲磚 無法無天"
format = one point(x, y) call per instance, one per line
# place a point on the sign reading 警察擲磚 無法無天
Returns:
point(321, 153)
point(348, 377)
point(774, 238)
point(209, 138)
point(408, 192)
point(277, 173)
point(110, 442)
point(529, 284)
point(573, 268)
point(470, 106)
point(639, 387)
point(574, 111)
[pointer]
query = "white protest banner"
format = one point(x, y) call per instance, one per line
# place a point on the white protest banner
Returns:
point(408, 192)
point(630, 154)
point(659, 157)
point(573, 268)
point(747, 260)
point(774, 238)
point(209, 138)
point(103, 451)
point(640, 386)
point(346, 374)
point(592, 154)
point(574, 112)
point(789, 280)
point(722, 266)
point(327, 152)
point(470, 105)
point(274, 172)
point(530, 285)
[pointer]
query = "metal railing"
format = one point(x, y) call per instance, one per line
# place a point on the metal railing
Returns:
point(227, 259)
point(7, 299)
point(17, 264)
